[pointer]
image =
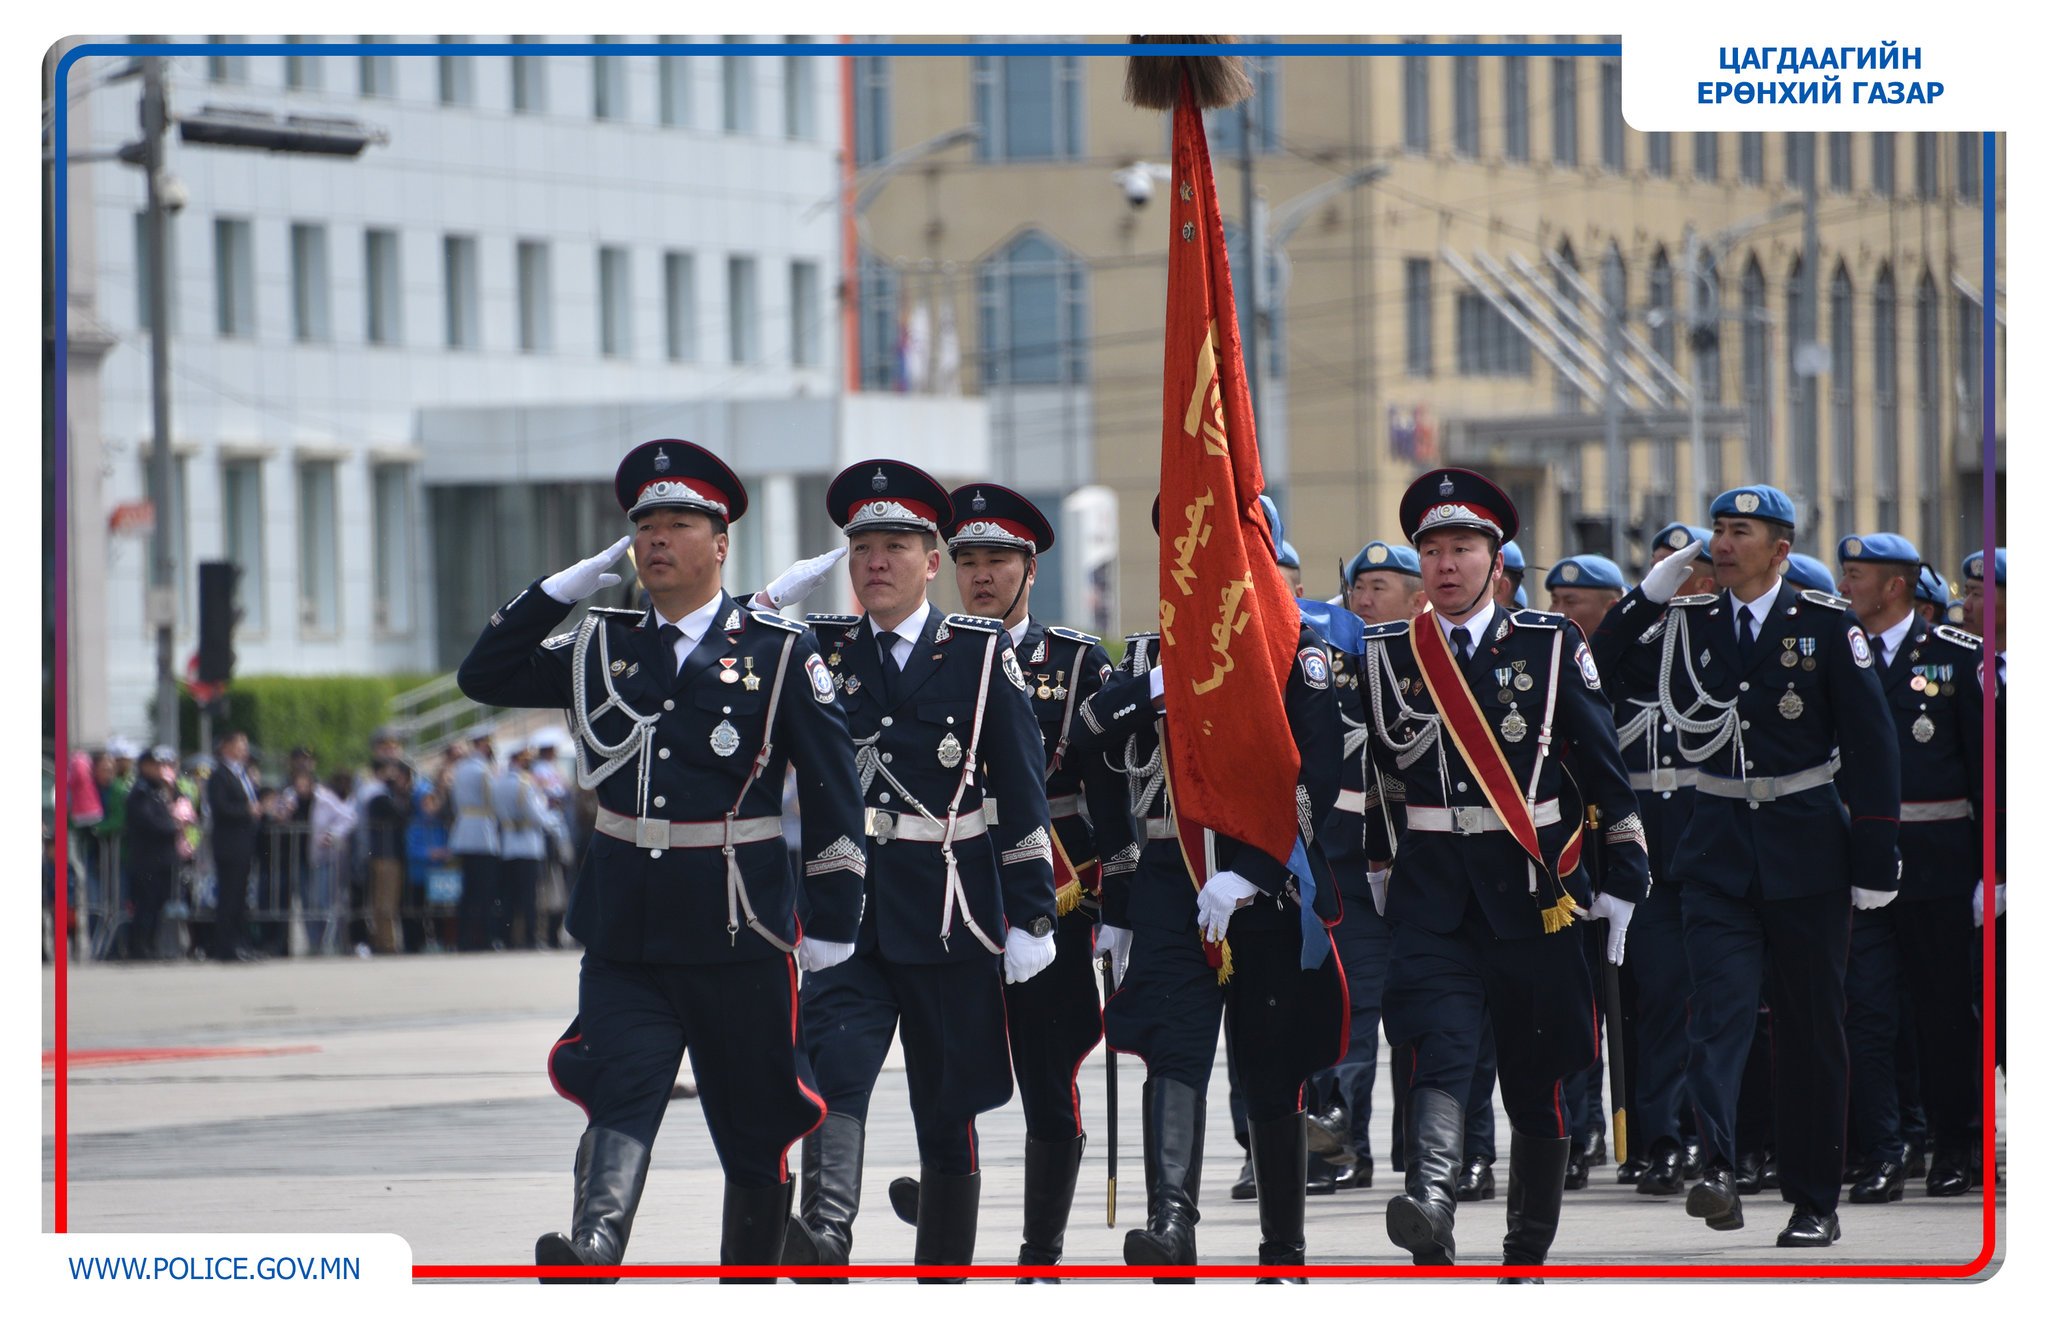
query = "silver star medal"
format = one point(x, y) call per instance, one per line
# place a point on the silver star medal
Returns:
point(1514, 728)
point(1790, 706)
point(949, 752)
point(725, 739)
point(1923, 729)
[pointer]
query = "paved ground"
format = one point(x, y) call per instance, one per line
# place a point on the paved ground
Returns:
point(408, 1096)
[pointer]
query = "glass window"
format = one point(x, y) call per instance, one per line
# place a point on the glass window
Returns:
point(462, 310)
point(376, 75)
point(1969, 167)
point(529, 80)
point(1660, 154)
point(675, 87)
point(607, 83)
point(1028, 107)
point(1883, 163)
point(381, 287)
point(179, 518)
point(1421, 333)
point(880, 322)
point(310, 320)
point(1706, 157)
point(1750, 156)
point(455, 75)
point(738, 82)
point(1663, 313)
point(742, 311)
point(319, 550)
point(1927, 163)
point(799, 94)
point(614, 302)
point(1564, 112)
point(392, 499)
point(679, 302)
point(1514, 83)
point(1465, 103)
point(536, 298)
point(1488, 343)
point(870, 108)
point(1969, 369)
point(1799, 328)
point(241, 495)
point(1884, 371)
point(143, 265)
point(1613, 135)
point(1415, 101)
point(1034, 314)
point(304, 73)
point(227, 68)
point(1842, 399)
point(1798, 159)
point(806, 315)
point(1225, 128)
point(1706, 340)
point(234, 280)
point(1927, 412)
point(1756, 366)
point(1566, 395)
point(1841, 162)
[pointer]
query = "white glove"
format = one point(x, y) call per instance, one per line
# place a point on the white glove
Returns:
point(1114, 943)
point(819, 954)
point(1616, 912)
point(1158, 682)
point(1977, 903)
point(1025, 955)
point(798, 580)
point(1870, 899)
point(1664, 579)
point(588, 577)
point(1225, 892)
point(1378, 879)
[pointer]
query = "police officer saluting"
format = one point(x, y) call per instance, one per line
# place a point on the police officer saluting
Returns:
point(1055, 1019)
point(1763, 683)
point(686, 717)
point(1915, 954)
point(1471, 705)
point(960, 897)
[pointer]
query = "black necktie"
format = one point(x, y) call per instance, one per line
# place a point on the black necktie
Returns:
point(1745, 634)
point(891, 671)
point(670, 634)
point(1464, 639)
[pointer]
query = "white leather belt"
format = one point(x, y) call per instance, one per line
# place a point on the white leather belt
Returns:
point(1663, 780)
point(1351, 799)
point(655, 834)
point(892, 826)
point(1159, 829)
point(1058, 808)
point(1474, 819)
point(1922, 812)
point(1766, 789)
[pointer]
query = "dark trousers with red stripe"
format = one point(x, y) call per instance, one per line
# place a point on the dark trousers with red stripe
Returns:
point(737, 1020)
point(1055, 1023)
point(956, 1058)
point(1442, 989)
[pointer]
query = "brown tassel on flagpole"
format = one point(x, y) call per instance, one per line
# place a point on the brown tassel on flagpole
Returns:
point(1153, 82)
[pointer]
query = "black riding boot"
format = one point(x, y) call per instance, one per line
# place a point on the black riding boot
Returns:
point(831, 1197)
point(1536, 1175)
point(948, 1206)
point(1420, 1221)
point(1175, 1119)
point(1280, 1157)
point(756, 1218)
point(611, 1169)
point(1051, 1168)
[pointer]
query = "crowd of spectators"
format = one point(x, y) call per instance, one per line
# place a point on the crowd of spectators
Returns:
point(225, 858)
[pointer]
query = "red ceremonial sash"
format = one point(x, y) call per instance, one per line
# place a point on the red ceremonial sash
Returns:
point(1473, 737)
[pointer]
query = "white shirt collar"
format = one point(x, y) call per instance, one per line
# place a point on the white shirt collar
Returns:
point(1895, 635)
point(695, 624)
point(1761, 606)
point(1476, 625)
point(911, 628)
point(1017, 632)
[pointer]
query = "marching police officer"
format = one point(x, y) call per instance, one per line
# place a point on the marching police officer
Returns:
point(687, 716)
point(1280, 994)
point(961, 897)
point(474, 841)
point(995, 537)
point(1471, 706)
point(1664, 795)
point(1914, 955)
point(1980, 903)
point(1763, 684)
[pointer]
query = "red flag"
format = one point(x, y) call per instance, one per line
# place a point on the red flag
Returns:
point(1227, 618)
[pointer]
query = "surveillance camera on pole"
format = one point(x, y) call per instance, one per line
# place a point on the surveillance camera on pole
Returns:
point(1138, 180)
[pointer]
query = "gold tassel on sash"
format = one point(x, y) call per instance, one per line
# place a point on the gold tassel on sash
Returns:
point(1223, 970)
point(1557, 917)
point(1068, 897)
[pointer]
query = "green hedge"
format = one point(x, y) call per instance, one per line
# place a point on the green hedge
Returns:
point(334, 715)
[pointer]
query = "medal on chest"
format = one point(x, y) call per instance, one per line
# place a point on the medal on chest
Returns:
point(726, 672)
point(1514, 728)
point(1923, 729)
point(752, 682)
point(725, 739)
point(949, 751)
point(1790, 658)
point(1790, 706)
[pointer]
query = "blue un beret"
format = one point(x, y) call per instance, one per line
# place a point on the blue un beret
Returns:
point(1589, 570)
point(1931, 587)
point(1289, 556)
point(1521, 598)
point(1755, 501)
point(1880, 547)
point(1379, 556)
point(1677, 536)
point(1809, 573)
point(1973, 567)
point(1512, 560)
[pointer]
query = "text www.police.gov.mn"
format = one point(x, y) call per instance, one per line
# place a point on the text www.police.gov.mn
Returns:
point(216, 1268)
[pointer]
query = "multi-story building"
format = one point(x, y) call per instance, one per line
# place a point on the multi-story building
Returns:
point(400, 382)
point(1447, 307)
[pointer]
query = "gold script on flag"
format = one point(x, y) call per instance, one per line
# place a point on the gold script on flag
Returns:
point(1205, 403)
point(1197, 536)
point(1230, 625)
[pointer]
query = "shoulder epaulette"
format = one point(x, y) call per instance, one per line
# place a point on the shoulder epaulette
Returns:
point(974, 623)
point(1069, 634)
point(769, 618)
point(1957, 636)
point(1380, 631)
point(1133, 638)
point(831, 620)
point(559, 640)
point(1537, 618)
point(1704, 598)
point(1829, 599)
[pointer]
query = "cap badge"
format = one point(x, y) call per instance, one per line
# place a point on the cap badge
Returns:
point(1570, 572)
point(879, 482)
point(1444, 487)
point(1746, 502)
point(1852, 548)
point(1375, 553)
point(979, 505)
point(661, 460)
point(1680, 539)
